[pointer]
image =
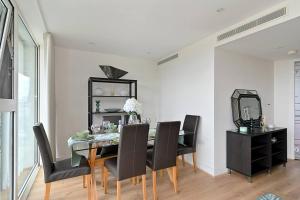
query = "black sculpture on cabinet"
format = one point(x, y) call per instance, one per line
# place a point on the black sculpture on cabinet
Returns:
point(246, 108)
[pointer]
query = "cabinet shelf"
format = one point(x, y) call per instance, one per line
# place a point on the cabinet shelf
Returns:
point(276, 153)
point(256, 168)
point(95, 96)
point(277, 142)
point(94, 113)
point(278, 161)
point(258, 157)
point(259, 146)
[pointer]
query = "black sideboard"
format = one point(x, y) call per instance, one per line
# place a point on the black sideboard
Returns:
point(255, 151)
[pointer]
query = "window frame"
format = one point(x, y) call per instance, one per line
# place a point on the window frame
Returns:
point(25, 189)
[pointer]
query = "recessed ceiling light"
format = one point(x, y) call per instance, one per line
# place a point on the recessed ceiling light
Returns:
point(292, 52)
point(219, 10)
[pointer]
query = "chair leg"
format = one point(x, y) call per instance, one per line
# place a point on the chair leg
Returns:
point(194, 162)
point(133, 180)
point(177, 165)
point(161, 173)
point(144, 187)
point(182, 159)
point(154, 185)
point(175, 179)
point(118, 190)
point(105, 177)
point(102, 173)
point(88, 181)
point(84, 179)
point(47, 191)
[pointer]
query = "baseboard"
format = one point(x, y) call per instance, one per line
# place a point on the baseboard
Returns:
point(205, 168)
point(220, 171)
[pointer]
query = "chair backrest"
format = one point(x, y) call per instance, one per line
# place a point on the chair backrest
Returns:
point(112, 119)
point(191, 123)
point(165, 145)
point(132, 151)
point(44, 148)
point(126, 118)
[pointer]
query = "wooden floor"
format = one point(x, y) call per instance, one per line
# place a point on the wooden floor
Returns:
point(284, 182)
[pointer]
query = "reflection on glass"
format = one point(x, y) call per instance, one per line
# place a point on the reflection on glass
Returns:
point(250, 108)
point(5, 155)
point(3, 13)
point(27, 104)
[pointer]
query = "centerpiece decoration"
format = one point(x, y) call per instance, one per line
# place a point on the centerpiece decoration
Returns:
point(133, 108)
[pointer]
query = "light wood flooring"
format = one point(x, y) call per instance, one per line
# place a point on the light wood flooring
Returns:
point(284, 182)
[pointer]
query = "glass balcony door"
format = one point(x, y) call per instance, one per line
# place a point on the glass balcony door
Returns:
point(27, 112)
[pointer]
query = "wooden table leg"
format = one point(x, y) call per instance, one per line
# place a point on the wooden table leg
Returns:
point(161, 173)
point(182, 160)
point(174, 169)
point(92, 158)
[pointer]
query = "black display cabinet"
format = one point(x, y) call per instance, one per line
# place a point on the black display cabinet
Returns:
point(257, 150)
point(131, 85)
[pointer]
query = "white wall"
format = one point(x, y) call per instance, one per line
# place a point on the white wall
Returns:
point(284, 99)
point(72, 70)
point(236, 71)
point(186, 87)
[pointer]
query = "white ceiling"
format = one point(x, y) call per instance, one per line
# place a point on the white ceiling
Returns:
point(272, 43)
point(141, 28)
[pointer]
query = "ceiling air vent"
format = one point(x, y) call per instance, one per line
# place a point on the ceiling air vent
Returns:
point(168, 59)
point(269, 17)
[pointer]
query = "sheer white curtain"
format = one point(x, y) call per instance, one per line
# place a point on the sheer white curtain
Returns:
point(49, 61)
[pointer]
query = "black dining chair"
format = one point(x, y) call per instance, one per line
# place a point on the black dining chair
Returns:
point(164, 152)
point(189, 142)
point(107, 152)
point(55, 171)
point(131, 160)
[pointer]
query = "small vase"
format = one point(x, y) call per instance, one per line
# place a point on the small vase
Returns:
point(132, 119)
point(97, 106)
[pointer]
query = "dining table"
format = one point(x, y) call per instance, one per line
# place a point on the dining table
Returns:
point(88, 146)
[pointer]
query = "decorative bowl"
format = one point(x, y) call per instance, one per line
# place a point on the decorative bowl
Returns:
point(112, 72)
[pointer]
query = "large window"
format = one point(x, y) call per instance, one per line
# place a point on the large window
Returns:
point(27, 111)
point(18, 105)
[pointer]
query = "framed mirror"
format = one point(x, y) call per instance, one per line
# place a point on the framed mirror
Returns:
point(246, 108)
